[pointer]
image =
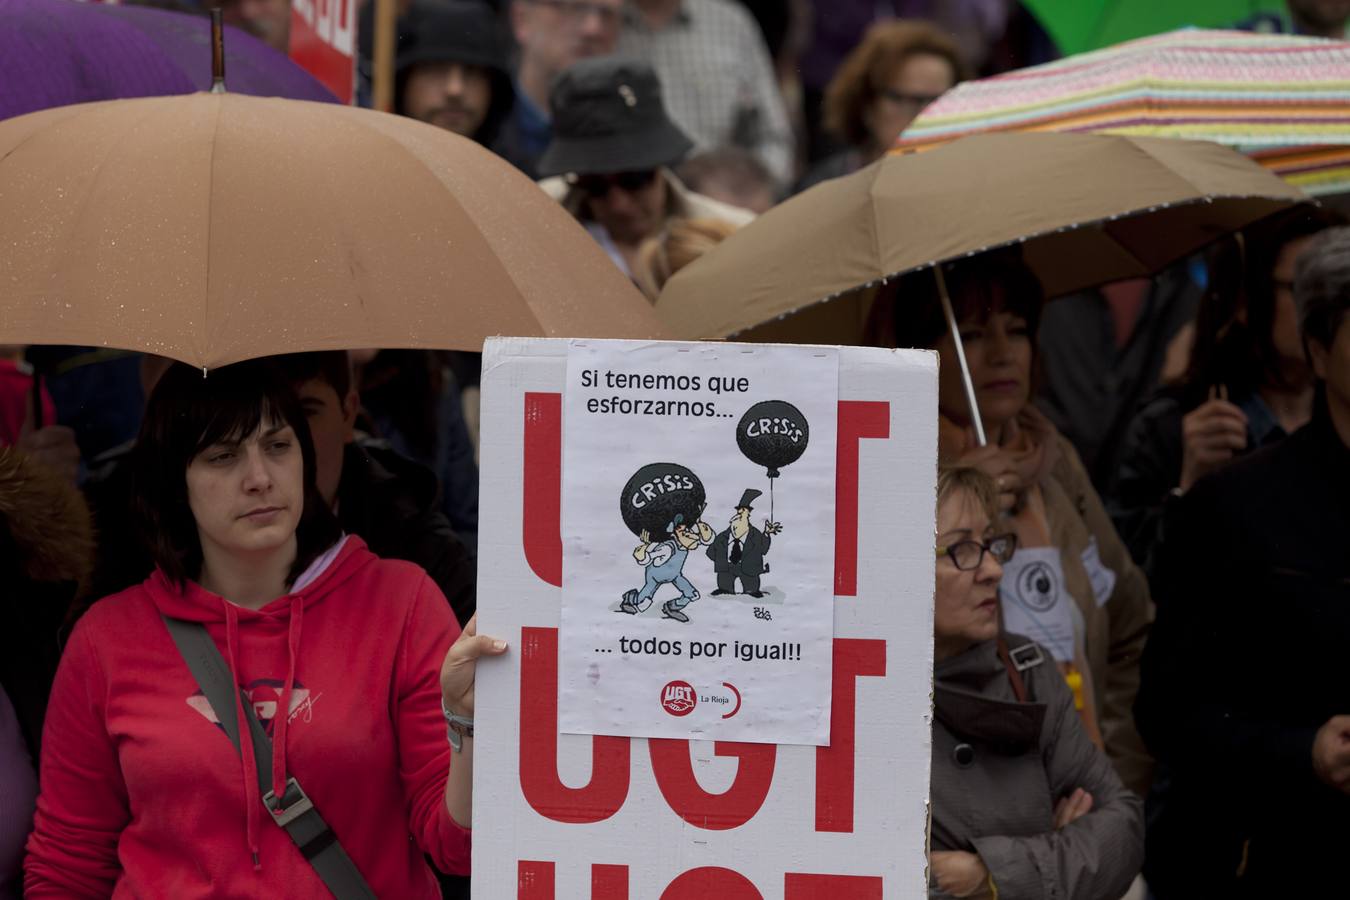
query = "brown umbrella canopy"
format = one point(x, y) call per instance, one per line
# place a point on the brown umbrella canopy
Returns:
point(215, 228)
point(1091, 209)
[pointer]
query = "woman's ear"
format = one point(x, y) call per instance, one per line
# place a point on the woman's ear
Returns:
point(1317, 357)
point(351, 405)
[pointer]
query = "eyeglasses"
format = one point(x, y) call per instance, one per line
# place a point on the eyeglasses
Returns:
point(598, 186)
point(578, 10)
point(915, 101)
point(967, 555)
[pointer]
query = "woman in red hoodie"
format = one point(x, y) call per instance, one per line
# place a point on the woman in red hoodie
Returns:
point(352, 664)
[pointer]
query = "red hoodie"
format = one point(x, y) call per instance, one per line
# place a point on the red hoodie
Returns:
point(142, 793)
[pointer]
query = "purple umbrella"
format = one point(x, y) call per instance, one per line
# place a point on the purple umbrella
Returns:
point(59, 52)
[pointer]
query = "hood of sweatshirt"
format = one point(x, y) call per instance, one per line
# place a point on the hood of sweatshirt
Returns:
point(282, 620)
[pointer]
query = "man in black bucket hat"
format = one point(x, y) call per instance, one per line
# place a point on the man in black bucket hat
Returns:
point(451, 69)
point(610, 158)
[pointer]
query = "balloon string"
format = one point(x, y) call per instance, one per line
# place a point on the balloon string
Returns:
point(770, 499)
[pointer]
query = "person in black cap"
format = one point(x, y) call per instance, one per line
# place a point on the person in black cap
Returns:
point(739, 551)
point(451, 69)
point(610, 156)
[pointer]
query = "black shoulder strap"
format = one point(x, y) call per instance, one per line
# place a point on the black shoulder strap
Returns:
point(294, 812)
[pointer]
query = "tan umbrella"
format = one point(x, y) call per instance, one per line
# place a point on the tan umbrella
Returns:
point(1089, 208)
point(212, 228)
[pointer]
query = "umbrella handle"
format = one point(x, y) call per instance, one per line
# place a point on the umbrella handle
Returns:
point(966, 381)
point(217, 52)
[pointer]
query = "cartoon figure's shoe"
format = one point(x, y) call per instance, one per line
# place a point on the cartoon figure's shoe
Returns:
point(755, 594)
point(670, 612)
point(629, 603)
point(719, 592)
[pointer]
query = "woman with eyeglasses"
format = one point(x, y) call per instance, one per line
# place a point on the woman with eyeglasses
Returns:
point(899, 68)
point(1071, 585)
point(1024, 806)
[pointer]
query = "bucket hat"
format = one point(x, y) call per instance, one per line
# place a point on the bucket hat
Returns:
point(608, 117)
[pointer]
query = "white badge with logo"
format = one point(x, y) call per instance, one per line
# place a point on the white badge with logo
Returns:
point(1103, 578)
point(1035, 603)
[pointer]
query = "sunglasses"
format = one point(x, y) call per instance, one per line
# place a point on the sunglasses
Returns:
point(598, 186)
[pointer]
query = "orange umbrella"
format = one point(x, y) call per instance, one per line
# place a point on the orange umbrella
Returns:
point(212, 228)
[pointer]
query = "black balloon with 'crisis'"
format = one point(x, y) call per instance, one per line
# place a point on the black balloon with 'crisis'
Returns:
point(773, 434)
point(658, 497)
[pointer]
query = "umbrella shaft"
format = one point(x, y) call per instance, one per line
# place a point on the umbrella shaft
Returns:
point(966, 381)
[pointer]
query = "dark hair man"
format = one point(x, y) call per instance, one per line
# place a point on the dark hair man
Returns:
point(451, 69)
point(1245, 700)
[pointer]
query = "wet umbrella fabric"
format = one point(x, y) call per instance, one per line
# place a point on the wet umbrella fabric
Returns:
point(1089, 209)
point(1284, 100)
point(212, 228)
point(59, 52)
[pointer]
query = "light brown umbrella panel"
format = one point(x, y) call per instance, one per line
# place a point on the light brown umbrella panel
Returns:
point(1089, 209)
point(212, 228)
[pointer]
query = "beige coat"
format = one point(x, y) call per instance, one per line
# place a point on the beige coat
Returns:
point(1117, 628)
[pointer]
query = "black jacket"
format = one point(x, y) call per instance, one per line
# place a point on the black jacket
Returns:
point(1244, 664)
point(1141, 496)
point(391, 502)
point(386, 499)
point(753, 548)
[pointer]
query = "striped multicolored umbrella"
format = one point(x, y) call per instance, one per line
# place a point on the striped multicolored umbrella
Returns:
point(1283, 100)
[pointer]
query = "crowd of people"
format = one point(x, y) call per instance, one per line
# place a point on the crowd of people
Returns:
point(1172, 454)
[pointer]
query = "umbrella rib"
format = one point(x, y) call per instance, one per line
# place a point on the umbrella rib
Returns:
point(203, 327)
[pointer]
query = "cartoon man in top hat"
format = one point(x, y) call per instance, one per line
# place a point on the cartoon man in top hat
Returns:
point(664, 562)
point(739, 551)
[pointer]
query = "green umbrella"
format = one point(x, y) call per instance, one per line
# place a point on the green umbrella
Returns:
point(1078, 26)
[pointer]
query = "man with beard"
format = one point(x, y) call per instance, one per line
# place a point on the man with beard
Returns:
point(451, 69)
point(551, 35)
point(267, 20)
point(610, 157)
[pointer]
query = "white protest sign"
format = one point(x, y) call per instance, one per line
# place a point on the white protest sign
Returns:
point(698, 548)
point(568, 817)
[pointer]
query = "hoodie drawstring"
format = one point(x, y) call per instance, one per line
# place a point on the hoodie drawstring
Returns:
point(283, 714)
point(251, 798)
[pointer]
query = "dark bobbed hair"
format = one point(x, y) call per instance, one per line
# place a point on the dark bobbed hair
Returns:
point(1322, 286)
point(187, 413)
point(908, 312)
point(1240, 354)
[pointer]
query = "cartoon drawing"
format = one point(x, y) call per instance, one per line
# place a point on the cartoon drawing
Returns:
point(738, 552)
point(773, 434)
point(663, 504)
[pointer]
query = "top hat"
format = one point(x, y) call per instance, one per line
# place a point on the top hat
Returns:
point(748, 498)
point(608, 118)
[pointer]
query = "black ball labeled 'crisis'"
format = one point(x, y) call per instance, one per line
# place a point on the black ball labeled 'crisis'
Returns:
point(773, 434)
point(656, 495)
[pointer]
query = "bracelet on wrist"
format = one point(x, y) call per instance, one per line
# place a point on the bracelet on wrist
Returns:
point(457, 727)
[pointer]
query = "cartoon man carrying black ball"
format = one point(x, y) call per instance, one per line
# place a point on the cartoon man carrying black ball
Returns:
point(664, 562)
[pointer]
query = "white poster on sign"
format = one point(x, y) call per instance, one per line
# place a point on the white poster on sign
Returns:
point(698, 541)
point(600, 817)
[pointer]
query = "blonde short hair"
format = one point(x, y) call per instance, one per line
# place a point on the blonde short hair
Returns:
point(976, 483)
point(683, 241)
